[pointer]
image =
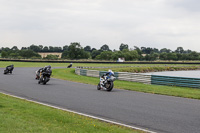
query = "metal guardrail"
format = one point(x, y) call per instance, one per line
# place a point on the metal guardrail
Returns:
point(175, 81)
point(144, 78)
point(134, 77)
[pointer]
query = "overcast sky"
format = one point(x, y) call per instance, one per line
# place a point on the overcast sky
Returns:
point(149, 23)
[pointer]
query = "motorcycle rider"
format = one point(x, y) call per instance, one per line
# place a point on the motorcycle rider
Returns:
point(38, 72)
point(10, 68)
point(46, 69)
point(105, 77)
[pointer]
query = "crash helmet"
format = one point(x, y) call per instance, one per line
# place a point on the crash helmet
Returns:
point(110, 71)
point(49, 66)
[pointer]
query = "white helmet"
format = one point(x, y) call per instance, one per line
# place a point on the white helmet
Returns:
point(110, 71)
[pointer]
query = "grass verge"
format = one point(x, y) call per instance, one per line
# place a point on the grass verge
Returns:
point(22, 116)
point(69, 74)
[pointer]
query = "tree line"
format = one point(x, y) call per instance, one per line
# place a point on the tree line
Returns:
point(75, 51)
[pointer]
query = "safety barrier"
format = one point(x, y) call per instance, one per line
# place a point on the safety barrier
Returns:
point(145, 78)
point(134, 77)
point(175, 81)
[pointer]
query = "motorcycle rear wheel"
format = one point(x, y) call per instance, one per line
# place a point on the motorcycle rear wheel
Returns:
point(98, 87)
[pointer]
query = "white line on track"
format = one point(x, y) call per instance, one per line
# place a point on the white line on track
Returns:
point(94, 117)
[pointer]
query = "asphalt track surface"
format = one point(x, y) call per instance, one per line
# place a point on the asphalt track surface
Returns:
point(153, 112)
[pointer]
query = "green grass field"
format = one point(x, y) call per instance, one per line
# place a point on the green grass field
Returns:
point(19, 116)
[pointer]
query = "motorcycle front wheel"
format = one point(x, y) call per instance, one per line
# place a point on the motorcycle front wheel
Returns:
point(109, 86)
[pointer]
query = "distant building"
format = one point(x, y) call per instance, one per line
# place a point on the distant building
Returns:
point(120, 60)
point(44, 54)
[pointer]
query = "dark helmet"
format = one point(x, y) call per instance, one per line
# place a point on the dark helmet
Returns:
point(48, 66)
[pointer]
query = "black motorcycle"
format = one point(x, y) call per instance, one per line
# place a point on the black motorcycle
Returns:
point(9, 69)
point(106, 84)
point(70, 65)
point(45, 77)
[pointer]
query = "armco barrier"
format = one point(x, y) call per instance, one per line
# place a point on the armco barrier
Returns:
point(144, 78)
point(119, 75)
point(134, 77)
point(175, 81)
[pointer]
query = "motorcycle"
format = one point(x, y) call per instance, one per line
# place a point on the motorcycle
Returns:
point(9, 69)
point(70, 65)
point(106, 84)
point(45, 77)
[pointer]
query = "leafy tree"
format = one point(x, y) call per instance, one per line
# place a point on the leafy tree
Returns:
point(163, 56)
point(4, 54)
point(65, 54)
point(193, 56)
point(87, 48)
point(40, 48)
point(14, 48)
point(105, 48)
point(117, 54)
point(24, 48)
point(134, 55)
point(95, 53)
point(187, 51)
point(155, 50)
point(179, 56)
point(28, 53)
point(179, 50)
point(153, 56)
point(172, 56)
point(65, 48)
point(13, 55)
point(147, 57)
point(183, 57)
point(45, 49)
point(130, 55)
point(57, 49)
point(165, 50)
point(51, 49)
point(5, 49)
point(34, 48)
point(139, 52)
point(93, 49)
point(123, 46)
point(105, 55)
point(77, 52)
